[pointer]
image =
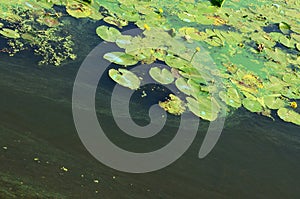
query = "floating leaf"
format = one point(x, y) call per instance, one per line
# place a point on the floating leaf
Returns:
point(109, 34)
point(287, 42)
point(284, 28)
point(231, 97)
point(289, 115)
point(183, 86)
point(120, 58)
point(163, 76)
point(176, 62)
point(273, 102)
point(204, 107)
point(125, 78)
point(252, 105)
point(9, 33)
point(123, 41)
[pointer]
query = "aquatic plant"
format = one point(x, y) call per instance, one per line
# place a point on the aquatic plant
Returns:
point(30, 24)
point(256, 48)
point(162, 76)
point(174, 105)
point(125, 78)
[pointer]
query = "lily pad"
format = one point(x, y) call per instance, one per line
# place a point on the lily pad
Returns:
point(176, 62)
point(123, 41)
point(204, 107)
point(9, 33)
point(273, 102)
point(284, 28)
point(125, 78)
point(163, 76)
point(183, 86)
point(109, 34)
point(252, 105)
point(289, 115)
point(231, 97)
point(120, 58)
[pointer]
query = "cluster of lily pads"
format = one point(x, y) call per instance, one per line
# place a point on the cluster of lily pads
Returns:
point(256, 49)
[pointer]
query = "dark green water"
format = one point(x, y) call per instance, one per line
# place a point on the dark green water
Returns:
point(254, 158)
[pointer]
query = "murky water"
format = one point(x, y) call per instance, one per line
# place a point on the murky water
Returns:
point(41, 155)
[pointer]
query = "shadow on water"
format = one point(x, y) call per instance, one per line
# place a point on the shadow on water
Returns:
point(41, 155)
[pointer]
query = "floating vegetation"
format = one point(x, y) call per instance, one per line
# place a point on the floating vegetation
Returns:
point(120, 58)
point(109, 34)
point(162, 76)
point(255, 48)
point(174, 105)
point(9, 33)
point(125, 78)
point(35, 25)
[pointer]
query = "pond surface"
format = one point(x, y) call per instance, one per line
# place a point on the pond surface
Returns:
point(41, 155)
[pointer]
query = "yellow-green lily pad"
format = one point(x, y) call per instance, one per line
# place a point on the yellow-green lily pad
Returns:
point(273, 102)
point(163, 76)
point(125, 78)
point(120, 58)
point(109, 34)
point(289, 115)
point(231, 97)
point(204, 107)
point(284, 28)
point(252, 105)
point(9, 33)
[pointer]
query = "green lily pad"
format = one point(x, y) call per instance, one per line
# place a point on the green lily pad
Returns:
point(252, 105)
point(284, 28)
point(204, 107)
point(231, 97)
point(120, 58)
point(109, 34)
point(291, 78)
point(287, 42)
point(125, 78)
point(289, 115)
point(124, 40)
point(273, 102)
point(163, 76)
point(9, 33)
point(183, 86)
point(176, 62)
